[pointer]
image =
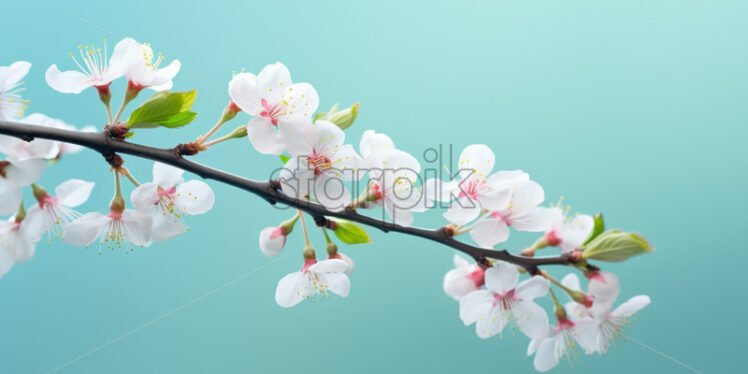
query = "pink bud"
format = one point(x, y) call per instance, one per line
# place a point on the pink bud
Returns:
point(272, 241)
point(552, 238)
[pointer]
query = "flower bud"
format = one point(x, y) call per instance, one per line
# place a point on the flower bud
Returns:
point(615, 246)
point(344, 118)
point(373, 193)
point(273, 239)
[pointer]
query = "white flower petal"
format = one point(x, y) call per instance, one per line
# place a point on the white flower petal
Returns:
point(604, 287)
point(531, 318)
point(571, 281)
point(166, 176)
point(576, 232)
point(492, 323)
point(330, 192)
point(70, 81)
point(74, 192)
point(245, 94)
point(195, 197)
point(536, 220)
point(297, 178)
point(23, 173)
point(372, 142)
point(463, 211)
point(338, 283)
point(476, 159)
point(300, 135)
point(460, 262)
point(399, 216)
point(287, 293)
point(160, 78)
point(273, 81)
point(10, 198)
point(527, 197)
point(329, 135)
point(165, 227)
point(532, 288)
point(489, 232)
point(84, 230)
point(121, 60)
point(145, 196)
point(475, 305)
point(14, 74)
point(496, 200)
point(456, 283)
point(547, 356)
point(632, 306)
point(137, 226)
point(502, 278)
point(301, 100)
point(264, 136)
point(329, 266)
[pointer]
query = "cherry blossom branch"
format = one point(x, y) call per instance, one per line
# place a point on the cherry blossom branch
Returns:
point(268, 190)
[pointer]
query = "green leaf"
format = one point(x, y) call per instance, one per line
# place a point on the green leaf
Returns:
point(597, 229)
point(350, 233)
point(284, 159)
point(164, 109)
point(616, 246)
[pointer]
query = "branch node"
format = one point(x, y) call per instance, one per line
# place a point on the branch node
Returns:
point(275, 185)
point(449, 230)
point(322, 221)
point(186, 149)
point(117, 131)
point(114, 160)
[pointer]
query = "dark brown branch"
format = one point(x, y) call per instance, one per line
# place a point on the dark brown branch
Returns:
point(267, 190)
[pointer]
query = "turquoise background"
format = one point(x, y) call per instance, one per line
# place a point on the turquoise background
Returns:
point(651, 131)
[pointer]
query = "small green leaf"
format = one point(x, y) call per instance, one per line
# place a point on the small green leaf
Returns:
point(598, 228)
point(164, 109)
point(616, 246)
point(284, 159)
point(350, 233)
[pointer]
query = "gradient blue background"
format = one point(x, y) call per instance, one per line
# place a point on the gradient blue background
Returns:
point(651, 131)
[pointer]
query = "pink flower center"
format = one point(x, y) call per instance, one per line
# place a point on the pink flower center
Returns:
point(473, 187)
point(48, 201)
point(166, 192)
point(307, 265)
point(563, 324)
point(478, 277)
point(502, 216)
point(505, 299)
point(115, 215)
point(319, 162)
point(272, 112)
point(552, 238)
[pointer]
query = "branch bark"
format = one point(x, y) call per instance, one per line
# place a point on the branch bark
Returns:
point(108, 147)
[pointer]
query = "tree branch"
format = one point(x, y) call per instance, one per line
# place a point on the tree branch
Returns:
point(267, 190)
